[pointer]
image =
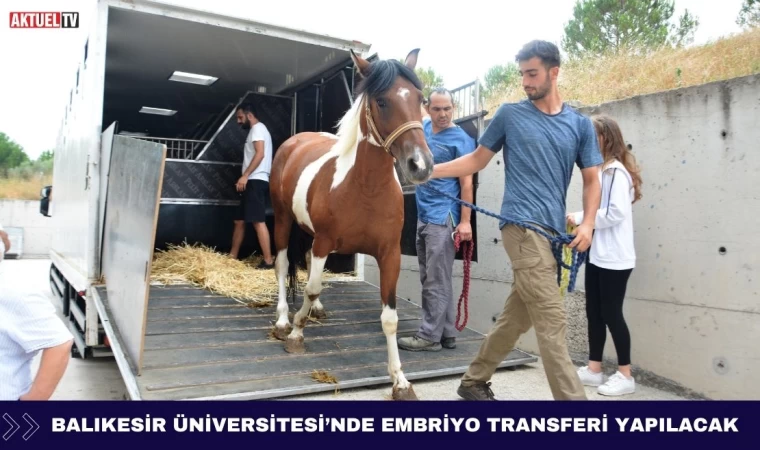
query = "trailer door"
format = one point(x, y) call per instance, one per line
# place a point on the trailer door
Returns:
point(134, 192)
point(106, 143)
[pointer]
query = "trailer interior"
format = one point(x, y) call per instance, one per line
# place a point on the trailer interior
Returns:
point(178, 83)
point(171, 152)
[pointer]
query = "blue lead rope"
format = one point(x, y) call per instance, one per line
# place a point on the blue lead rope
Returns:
point(557, 242)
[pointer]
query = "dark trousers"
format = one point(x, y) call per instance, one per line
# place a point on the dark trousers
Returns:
point(605, 291)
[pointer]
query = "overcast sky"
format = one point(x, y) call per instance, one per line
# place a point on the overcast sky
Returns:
point(459, 39)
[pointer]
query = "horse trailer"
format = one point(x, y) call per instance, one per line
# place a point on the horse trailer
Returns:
point(147, 156)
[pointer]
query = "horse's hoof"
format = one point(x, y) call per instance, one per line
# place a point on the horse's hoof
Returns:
point(319, 313)
point(282, 333)
point(295, 345)
point(404, 394)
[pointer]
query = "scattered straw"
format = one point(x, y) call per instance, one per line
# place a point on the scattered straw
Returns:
point(203, 267)
point(323, 376)
point(271, 336)
point(206, 268)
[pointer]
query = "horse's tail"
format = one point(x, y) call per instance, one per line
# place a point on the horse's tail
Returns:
point(299, 243)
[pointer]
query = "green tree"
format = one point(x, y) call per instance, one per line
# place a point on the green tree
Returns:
point(47, 155)
point(11, 154)
point(499, 77)
point(430, 79)
point(600, 26)
point(749, 15)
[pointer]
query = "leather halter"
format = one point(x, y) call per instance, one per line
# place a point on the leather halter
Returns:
point(388, 141)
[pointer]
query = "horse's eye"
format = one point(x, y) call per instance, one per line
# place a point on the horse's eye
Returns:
point(381, 103)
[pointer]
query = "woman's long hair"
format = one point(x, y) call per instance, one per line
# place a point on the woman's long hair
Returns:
point(613, 147)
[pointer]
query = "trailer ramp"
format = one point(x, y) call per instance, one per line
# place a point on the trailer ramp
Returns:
point(202, 346)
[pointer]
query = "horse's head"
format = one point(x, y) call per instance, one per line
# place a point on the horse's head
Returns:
point(393, 95)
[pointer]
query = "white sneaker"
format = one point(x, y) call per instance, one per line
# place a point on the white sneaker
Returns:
point(589, 378)
point(618, 384)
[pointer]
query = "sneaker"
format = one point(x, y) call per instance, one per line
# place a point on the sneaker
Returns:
point(417, 344)
point(449, 343)
point(618, 384)
point(479, 391)
point(589, 378)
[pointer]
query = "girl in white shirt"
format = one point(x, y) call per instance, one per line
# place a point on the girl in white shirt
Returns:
point(612, 258)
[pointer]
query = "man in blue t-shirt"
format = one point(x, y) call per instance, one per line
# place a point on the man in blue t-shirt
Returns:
point(542, 138)
point(437, 218)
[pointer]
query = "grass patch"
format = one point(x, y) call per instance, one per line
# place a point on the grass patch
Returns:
point(19, 188)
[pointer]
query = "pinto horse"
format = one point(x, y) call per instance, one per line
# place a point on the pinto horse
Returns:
point(344, 193)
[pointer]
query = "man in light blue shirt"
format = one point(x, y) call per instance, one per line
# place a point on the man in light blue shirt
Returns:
point(437, 218)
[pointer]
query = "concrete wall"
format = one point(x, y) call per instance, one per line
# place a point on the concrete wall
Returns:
point(693, 306)
point(37, 229)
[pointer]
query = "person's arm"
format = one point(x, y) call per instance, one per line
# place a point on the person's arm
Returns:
point(52, 367)
point(464, 166)
point(618, 208)
point(490, 143)
point(258, 156)
point(258, 147)
point(465, 228)
point(589, 160)
point(466, 189)
point(592, 195)
point(6, 241)
point(34, 325)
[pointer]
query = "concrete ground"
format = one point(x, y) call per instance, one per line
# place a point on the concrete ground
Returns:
point(99, 378)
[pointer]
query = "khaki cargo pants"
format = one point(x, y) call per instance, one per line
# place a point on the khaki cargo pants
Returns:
point(535, 301)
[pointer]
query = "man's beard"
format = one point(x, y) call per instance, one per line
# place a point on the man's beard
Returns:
point(540, 92)
point(246, 125)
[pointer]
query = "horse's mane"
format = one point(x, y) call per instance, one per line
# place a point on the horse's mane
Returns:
point(382, 75)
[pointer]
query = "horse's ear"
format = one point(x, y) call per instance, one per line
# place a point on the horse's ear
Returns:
point(361, 63)
point(411, 59)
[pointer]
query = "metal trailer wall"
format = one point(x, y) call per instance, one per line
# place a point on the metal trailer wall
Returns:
point(76, 212)
point(693, 300)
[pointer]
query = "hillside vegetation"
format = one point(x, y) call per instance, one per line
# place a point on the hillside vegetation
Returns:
point(588, 81)
point(592, 81)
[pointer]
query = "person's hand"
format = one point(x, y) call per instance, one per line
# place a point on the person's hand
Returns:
point(6, 241)
point(241, 183)
point(29, 397)
point(582, 239)
point(571, 219)
point(465, 231)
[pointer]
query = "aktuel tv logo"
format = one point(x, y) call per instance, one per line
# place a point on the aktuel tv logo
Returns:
point(44, 20)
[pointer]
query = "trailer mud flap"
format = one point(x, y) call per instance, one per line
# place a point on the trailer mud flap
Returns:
point(134, 193)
